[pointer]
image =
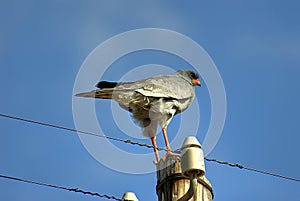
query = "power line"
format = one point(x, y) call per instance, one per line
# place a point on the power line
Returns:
point(80, 131)
point(146, 145)
point(76, 190)
point(252, 169)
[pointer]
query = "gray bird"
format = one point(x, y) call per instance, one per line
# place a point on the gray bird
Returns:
point(152, 101)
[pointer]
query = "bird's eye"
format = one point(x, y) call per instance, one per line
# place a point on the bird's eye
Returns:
point(194, 75)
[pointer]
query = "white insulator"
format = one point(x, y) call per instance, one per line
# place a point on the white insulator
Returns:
point(192, 158)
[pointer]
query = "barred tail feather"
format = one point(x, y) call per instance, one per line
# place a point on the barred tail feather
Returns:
point(105, 94)
point(86, 94)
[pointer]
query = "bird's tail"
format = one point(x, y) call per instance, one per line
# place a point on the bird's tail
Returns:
point(105, 91)
point(96, 94)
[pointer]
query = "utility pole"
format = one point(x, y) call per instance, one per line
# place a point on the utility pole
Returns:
point(181, 178)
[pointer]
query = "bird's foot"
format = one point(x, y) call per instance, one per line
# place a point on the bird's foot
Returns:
point(169, 153)
point(156, 162)
point(164, 158)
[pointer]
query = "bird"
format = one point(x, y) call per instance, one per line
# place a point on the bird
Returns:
point(153, 101)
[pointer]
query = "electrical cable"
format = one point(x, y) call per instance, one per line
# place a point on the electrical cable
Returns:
point(147, 145)
point(251, 169)
point(61, 187)
point(79, 131)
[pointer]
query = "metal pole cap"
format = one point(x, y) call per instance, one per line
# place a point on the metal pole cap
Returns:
point(129, 196)
point(190, 141)
point(192, 158)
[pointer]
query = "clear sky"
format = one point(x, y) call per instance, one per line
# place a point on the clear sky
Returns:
point(254, 44)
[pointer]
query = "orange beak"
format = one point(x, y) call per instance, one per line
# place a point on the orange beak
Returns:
point(197, 82)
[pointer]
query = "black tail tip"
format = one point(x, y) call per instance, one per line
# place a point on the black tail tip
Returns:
point(105, 84)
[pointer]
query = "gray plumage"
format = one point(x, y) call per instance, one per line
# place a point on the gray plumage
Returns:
point(152, 101)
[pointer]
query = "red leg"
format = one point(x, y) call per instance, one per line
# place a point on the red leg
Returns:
point(153, 140)
point(169, 152)
point(164, 130)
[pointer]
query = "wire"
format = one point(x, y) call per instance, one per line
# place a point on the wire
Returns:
point(60, 187)
point(79, 131)
point(146, 145)
point(252, 169)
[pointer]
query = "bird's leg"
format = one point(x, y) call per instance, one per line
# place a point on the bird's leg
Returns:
point(169, 152)
point(153, 140)
point(164, 130)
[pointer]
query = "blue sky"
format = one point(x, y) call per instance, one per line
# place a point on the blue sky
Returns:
point(254, 44)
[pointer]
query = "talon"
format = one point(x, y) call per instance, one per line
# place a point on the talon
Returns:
point(156, 162)
point(169, 153)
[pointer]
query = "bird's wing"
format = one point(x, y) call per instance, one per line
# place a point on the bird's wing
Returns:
point(171, 86)
point(161, 86)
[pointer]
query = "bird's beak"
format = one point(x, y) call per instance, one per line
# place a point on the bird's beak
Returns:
point(197, 82)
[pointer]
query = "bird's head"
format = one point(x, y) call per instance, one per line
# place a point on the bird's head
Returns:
point(190, 76)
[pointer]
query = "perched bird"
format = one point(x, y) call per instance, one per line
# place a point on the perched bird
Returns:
point(152, 101)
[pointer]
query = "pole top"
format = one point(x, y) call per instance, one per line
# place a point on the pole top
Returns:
point(192, 158)
point(129, 196)
point(190, 141)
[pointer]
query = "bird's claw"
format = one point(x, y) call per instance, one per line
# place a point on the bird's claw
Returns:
point(169, 153)
point(156, 162)
point(164, 158)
